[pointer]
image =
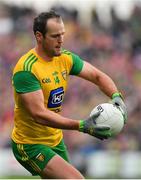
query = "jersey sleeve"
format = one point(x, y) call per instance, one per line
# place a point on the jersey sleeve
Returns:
point(25, 81)
point(77, 64)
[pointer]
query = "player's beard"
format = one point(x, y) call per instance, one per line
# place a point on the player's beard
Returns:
point(51, 52)
point(57, 53)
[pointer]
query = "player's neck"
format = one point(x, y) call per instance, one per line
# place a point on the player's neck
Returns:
point(42, 54)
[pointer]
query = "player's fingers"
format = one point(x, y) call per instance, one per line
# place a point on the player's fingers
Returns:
point(102, 127)
point(101, 137)
point(106, 135)
point(96, 114)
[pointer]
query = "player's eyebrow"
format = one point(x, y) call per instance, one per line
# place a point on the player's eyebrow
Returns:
point(57, 34)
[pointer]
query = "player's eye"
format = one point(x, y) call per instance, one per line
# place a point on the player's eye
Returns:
point(56, 36)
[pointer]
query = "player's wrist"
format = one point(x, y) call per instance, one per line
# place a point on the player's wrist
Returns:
point(81, 125)
point(117, 94)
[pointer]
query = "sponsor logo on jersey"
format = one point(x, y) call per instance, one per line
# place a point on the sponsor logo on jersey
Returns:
point(56, 98)
point(46, 80)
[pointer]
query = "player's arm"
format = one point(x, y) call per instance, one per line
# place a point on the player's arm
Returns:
point(106, 85)
point(103, 81)
point(31, 97)
point(33, 102)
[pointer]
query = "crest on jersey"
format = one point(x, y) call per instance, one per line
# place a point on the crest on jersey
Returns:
point(64, 74)
point(40, 157)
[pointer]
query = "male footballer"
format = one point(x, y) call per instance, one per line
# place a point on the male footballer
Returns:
point(40, 80)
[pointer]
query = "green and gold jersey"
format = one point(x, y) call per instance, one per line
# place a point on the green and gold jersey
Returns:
point(32, 73)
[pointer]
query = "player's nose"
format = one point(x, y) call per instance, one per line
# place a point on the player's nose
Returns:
point(60, 39)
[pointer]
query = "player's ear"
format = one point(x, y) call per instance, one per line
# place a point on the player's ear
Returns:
point(39, 36)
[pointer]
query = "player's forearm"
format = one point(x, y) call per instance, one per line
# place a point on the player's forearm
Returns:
point(51, 119)
point(103, 81)
point(106, 84)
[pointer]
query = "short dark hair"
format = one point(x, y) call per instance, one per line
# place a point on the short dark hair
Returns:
point(41, 20)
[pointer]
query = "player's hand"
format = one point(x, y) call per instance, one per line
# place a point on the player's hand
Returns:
point(117, 100)
point(89, 126)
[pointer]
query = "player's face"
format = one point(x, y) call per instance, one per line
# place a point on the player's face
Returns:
point(52, 42)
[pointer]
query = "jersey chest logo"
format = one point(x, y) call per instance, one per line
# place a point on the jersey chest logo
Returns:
point(56, 98)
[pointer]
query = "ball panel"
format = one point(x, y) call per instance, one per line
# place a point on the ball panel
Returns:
point(111, 116)
point(117, 124)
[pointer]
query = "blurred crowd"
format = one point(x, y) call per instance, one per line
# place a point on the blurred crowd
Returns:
point(115, 49)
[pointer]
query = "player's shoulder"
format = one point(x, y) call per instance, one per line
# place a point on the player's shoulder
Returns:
point(68, 55)
point(67, 52)
point(25, 61)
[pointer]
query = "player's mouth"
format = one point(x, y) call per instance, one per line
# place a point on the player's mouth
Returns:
point(58, 48)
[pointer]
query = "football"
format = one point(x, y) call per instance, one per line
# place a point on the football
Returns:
point(110, 115)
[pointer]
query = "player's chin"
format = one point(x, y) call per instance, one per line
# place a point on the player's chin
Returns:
point(58, 52)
